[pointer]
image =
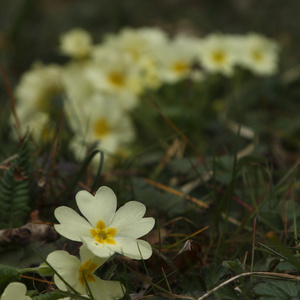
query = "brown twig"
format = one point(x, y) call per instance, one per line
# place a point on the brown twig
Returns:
point(259, 274)
point(178, 193)
point(31, 232)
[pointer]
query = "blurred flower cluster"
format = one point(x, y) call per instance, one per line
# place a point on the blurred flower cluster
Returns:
point(101, 83)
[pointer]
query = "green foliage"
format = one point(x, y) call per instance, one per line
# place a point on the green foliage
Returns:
point(277, 290)
point(7, 275)
point(213, 276)
point(14, 191)
point(234, 265)
point(151, 197)
point(25, 256)
point(49, 296)
point(271, 219)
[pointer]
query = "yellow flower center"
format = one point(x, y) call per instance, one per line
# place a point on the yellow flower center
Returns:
point(180, 67)
point(101, 128)
point(103, 235)
point(219, 57)
point(117, 78)
point(86, 272)
point(257, 56)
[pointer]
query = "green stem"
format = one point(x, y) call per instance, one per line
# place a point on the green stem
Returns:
point(33, 270)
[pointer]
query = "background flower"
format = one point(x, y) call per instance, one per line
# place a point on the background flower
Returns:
point(218, 53)
point(259, 54)
point(76, 43)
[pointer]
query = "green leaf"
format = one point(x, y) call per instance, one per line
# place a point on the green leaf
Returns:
point(25, 256)
point(234, 265)
point(7, 275)
point(285, 266)
point(49, 296)
point(14, 191)
point(277, 290)
point(215, 275)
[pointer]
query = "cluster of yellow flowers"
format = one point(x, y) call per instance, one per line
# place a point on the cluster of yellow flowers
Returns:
point(102, 231)
point(101, 83)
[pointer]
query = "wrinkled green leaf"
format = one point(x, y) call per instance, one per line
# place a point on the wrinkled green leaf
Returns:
point(277, 290)
point(7, 275)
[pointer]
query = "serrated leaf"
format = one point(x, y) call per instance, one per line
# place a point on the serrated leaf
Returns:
point(277, 290)
point(215, 275)
point(234, 265)
point(285, 266)
point(7, 275)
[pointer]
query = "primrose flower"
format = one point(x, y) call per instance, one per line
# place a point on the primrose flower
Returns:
point(105, 230)
point(75, 83)
point(15, 290)
point(40, 89)
point(78, 273)
point(39, 99)
point(260, 54)
point(139, 45)
point(113, 72)
point(101, 122)
point(176, 59)
point(218, 53)
point(76, 43)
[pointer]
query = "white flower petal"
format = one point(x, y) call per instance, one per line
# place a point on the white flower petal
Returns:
point(72, 226)
point(136, 249)
point(136, 229)
point(100, 250)
point(106, 290)
point(101, 207)
point(129, 213)
point(86, 254)
point(67, 266)
point(15, 290)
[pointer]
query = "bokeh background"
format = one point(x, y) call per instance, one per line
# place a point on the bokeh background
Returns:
point(29, 29)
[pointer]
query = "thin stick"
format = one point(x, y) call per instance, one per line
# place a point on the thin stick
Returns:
point(260, 274)
point(176, 192)
point(253, 244)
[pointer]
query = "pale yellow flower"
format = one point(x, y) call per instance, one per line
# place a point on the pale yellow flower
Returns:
point(259, 54)
point(105, 230)
point(76, 86)
point(40, 89)
point(39, 98)
point(79, 273)
point(176, 59)
point(76, 43)
point(113, 73)
point(100, 121)
point(136, 43)
point(218, 54)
